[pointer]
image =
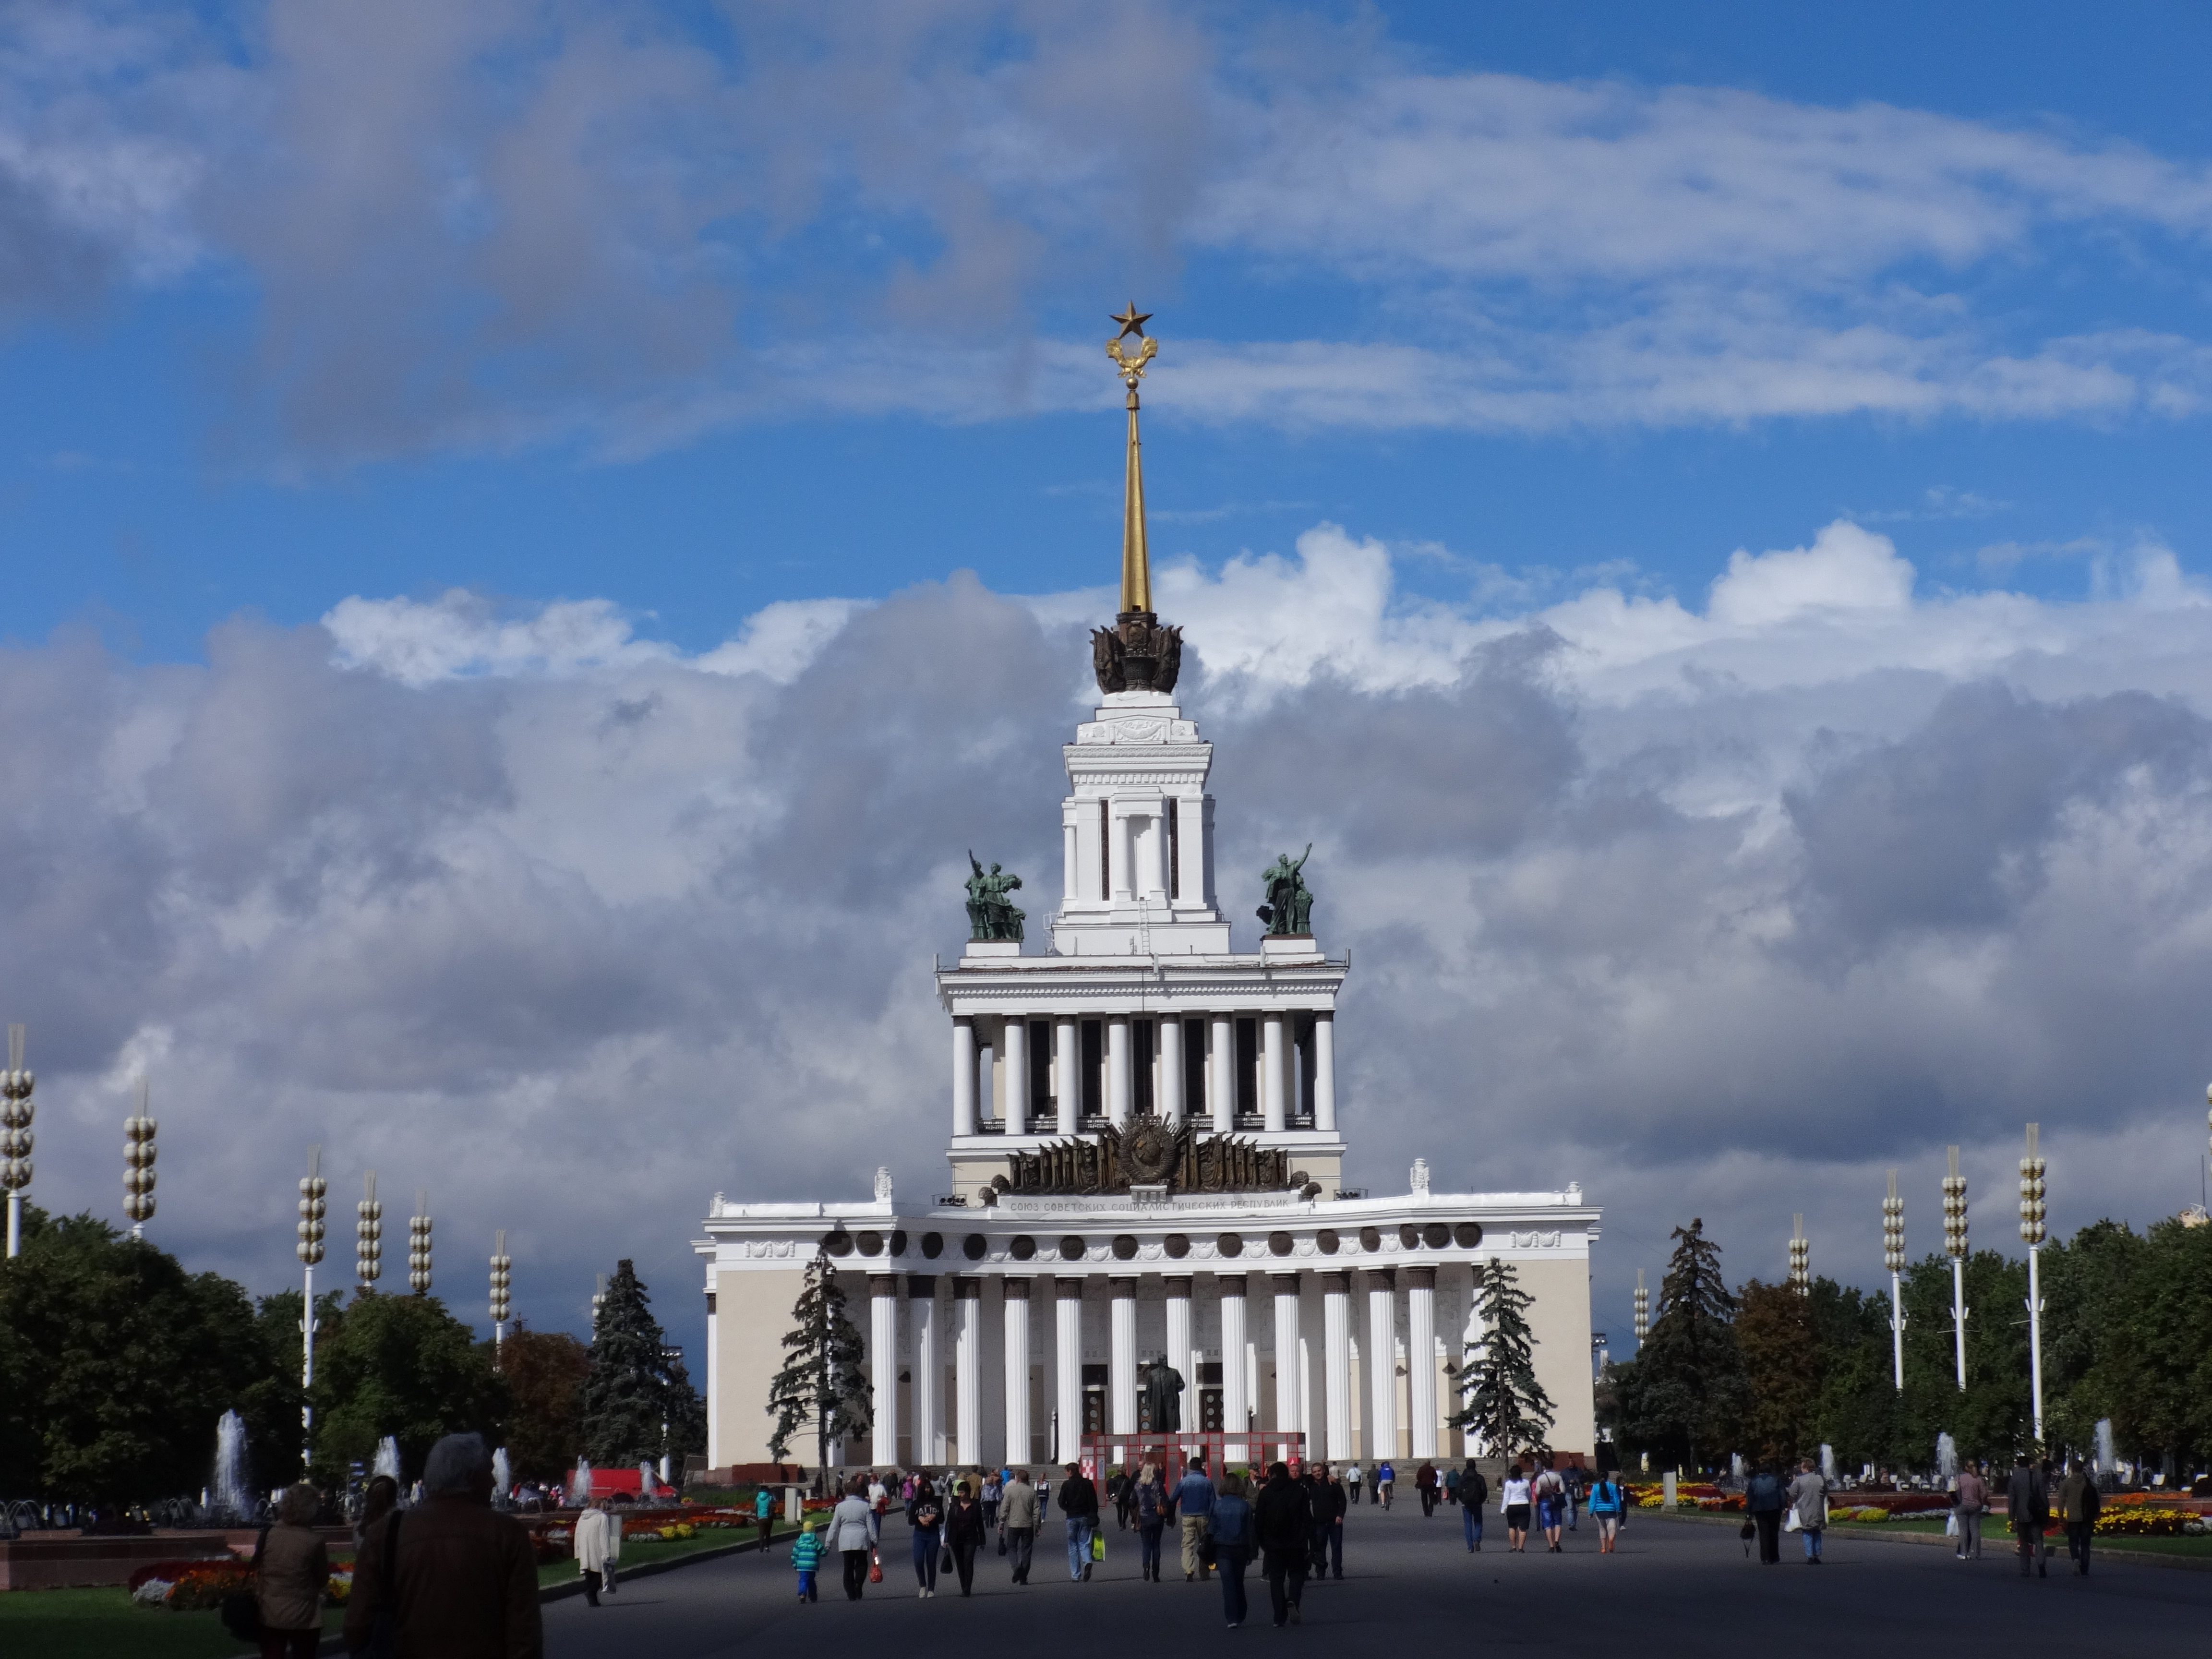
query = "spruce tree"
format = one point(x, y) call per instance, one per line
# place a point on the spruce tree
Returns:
point(638, 1399)
point(1684, 1395)
point(1504, 1407)
point(822, 1380)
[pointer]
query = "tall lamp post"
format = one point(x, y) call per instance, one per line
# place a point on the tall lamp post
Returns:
point(138, 1166)
point(1892, 1257)
point(16, 1110)
point(309, 1249)
point(502, 1265)
point(1955, 1242)
point(2031, 1229)
point(1801, 1258)
point(418, 1244)
point(1642, 1309)
point(369, 1236)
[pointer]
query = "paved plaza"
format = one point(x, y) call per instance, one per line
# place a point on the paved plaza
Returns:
point(1676, 1588)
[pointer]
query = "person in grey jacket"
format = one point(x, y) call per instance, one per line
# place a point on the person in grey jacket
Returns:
point(1018, 1520)
point(849, 1536)
point(2027, 1507)
point(1808, 1496)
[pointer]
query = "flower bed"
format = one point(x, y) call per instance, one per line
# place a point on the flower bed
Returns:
point(2147, 1521)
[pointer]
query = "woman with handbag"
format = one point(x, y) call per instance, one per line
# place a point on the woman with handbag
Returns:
point(964, 1532)
point(294, 1571)
point(1228, 1542)
point(928, 1535)
point(1151, 1507)
point(1808, 1509)
point(848, 1537)
point(1609, 1502)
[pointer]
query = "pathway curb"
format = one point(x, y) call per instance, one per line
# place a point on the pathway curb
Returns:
point(2104, 1546)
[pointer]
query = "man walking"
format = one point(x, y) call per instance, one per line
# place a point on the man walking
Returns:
point(1193, 1507)
point(1764, 1501)
point(1473, 1493)
point(1284, 1519)
point(462, 1579)
point(1336, 1501)
point(1425, 1482)
point(1017, 1519)
point(2027, 1507)
point(2078, 1503)
point(1078, 1506)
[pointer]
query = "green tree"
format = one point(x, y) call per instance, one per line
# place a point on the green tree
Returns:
point(822, 1381)
point(1683, 1395)
point(115, 1364)
point(1503, 1405)
point(403, 1366)
point(544, 1372)
point(1781, 1370)
point(1856, 1411)
point(271, 1404)
point(1992, 1417)
point(639, 1402)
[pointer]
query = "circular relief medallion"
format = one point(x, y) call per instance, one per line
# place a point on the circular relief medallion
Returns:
point(1124, 1246)
point(871, 1243)
point(933, 1245)
point(1071, 1247)
point(1022, 1247)
point(1409, 1235)
point(838, 1243)
point(1150, 1146)
point(1369, 1240)
point(1326, 1240)
point(1230, 1244)
point(898, 1243)
point(1280, 1244)
point(973, 1246)
point(1435, 1235)
point(1177, 1245)
point(1467, 1235)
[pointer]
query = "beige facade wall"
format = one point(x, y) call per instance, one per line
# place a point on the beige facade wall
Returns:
point(753, 1312)
point(1560, 1322)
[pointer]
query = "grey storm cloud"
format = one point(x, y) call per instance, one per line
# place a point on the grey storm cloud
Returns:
point(574, 951)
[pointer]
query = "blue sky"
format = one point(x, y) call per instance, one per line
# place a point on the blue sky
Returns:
point(173, 457)
point(1749, 458)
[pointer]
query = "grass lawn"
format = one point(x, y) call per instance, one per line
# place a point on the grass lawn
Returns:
point(641, 1552)
point(102, 1624)
point(1996, 1538)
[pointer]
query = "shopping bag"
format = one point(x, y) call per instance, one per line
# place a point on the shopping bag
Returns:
point(1002, 1541)
point(1790, 1519)
point(945, 1559)
point(875, 1568)
point(1951, 1524)
point(1098, 1546)
point(1750, 1528)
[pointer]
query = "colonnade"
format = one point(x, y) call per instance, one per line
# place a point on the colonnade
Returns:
point(1001, 1044)
point(1329, 1429)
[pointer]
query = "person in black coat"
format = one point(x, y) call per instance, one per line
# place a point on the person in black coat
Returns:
point(1283, 1516)
point(964, 1532)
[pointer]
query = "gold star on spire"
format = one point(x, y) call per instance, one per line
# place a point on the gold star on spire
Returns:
point(1133, 321)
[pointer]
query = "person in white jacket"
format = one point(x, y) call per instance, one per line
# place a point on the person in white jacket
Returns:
point(849, 1536)
point(598, 1547)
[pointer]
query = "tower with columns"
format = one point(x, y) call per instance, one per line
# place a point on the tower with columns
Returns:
point(1144, 1139)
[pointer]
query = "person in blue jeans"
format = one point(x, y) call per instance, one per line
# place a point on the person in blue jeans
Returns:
point(1231, 1523)
point(1079, 1503)
point(1151, 1512)
point(1473, 1493)
point(928, 1536)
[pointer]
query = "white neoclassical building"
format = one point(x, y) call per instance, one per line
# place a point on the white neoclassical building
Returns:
point(1146, 1156)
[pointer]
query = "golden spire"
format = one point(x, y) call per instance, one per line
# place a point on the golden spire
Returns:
point(1136, 560)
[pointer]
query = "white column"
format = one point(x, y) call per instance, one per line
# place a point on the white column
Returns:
point(1287, 1402)
point(1019, 1445)
point(987, 1072)
point(883, 1366)
point(1179, 1349)
point(1421, 1357)
point(963, 1075)
point(1117, 1069)
point(1068, 1353)
point(968, 1369)
point(1117, 855)
point(1336, 1363)
point(1324, 1038)
point(1017, 1041)
point(929, 1430)
point(1071, 871)
point(1234, 1387)
point(1223, 1074)
point(1272, 1058)
point(1122, 1376)
point(1067, 1080)
point(1382, 1365)
point(1152, 862)
point(1168, 1093)
point(715, 1432)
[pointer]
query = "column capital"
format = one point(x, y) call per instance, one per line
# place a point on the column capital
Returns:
point(1285, 1284)
point(920, 1285)
point(1230, 1285)
point(1068, 1290)
point(1337, 1281)
point(967, 1020)
point(1177, 1284)
point(1124, 1290)
point(968, 1289)
point(1381, 1279)
point(1015, 1289)
point(883, 1284)
point(1421, 1278)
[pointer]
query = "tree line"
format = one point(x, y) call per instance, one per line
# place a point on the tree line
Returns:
point(1765, 1371)
point(116, 1363)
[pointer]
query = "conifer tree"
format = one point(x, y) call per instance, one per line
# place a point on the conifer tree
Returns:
point(1504, 1407)
point(822, 1380)
point(1684, 1395)
point(639, 1402)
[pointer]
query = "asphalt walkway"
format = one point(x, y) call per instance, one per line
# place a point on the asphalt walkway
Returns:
point(1674, 1588)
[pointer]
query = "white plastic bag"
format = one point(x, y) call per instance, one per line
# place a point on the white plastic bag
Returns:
point(1790, 1519)
point(1951, 1524)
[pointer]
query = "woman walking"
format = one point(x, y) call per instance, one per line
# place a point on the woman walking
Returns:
point(1609, 1502)
point(1969, 1500)
point(597, 1546)
point(1230, 1520)
point(1808, 1496)
point(1514, 1497)
point(294, 1568)
point(928, 1536)
point(847, 1538)
point(964, 1532)
point(1151, 1518)
point(1764, 1500)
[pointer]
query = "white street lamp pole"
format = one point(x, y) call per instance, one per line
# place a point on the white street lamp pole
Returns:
point(1801, 1258)
point(16, 1111)
point(502, 1265)
point(309, 1249)
point(1642, 1310)
point(2031, 1229)
point(1954, 1241)
point(1892, 1257)
point(138, 1132)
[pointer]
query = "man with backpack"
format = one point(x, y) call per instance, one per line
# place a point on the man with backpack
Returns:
point(1473, 1493)
point(451, 1575)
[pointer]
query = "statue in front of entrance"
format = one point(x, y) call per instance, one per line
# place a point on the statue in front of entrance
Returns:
point(1164, 1396)
point(1289, 908)
point(991, 914)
